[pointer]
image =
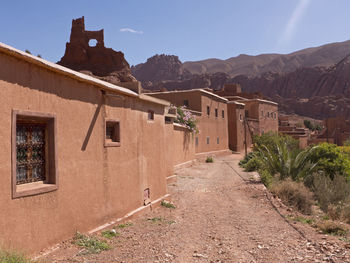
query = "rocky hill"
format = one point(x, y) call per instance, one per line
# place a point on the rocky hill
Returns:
point(316, 92)
point(323, 56)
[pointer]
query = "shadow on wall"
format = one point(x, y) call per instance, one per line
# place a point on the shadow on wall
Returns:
point(186, 140)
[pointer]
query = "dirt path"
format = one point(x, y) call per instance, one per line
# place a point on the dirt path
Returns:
point(219, 217)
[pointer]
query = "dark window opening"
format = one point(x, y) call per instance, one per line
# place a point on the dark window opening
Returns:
point(207, 140)
point(208, 110)
point(112, 132)
point(186, 103)
point(216, 113)
point(223, 114)
point(150, 115)
point(217, 140)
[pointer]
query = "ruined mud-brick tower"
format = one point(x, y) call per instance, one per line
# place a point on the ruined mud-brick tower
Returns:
point(94, 59)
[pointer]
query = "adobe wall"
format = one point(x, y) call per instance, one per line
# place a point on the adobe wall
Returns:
point(96, 183)
point(236, 127)
point(177, 98)
point(180, 145)
point(268, 122)
point(211, 126)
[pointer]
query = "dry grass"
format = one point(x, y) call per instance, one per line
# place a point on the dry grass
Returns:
point(294, 194)
point(332, 228)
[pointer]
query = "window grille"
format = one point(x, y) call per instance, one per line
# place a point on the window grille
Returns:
point(30, 151)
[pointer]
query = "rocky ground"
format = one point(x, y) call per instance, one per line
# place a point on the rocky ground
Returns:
point(222, 214)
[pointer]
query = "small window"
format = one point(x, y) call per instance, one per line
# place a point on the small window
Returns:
point(274, 115)
point(168, 119)
point(150, 115)
point(240, 116)
point(208, 140)
point(34, 166)
point(196, 141)
point(223, 114)
point(186, 103)
point(262, 113)
point(216, 113)
point(268, 114)
point(218, 140)
point(208, 110)
point(112, 133)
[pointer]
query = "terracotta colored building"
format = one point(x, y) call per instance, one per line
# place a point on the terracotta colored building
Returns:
point(211, 112)
point(248, 115)
point(76, 152)
point(337, 130)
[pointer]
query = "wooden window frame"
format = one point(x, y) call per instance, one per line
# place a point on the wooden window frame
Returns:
point(51, 169)
point(223, 114)
point(216, 113)
point(208, 110)
point(112, 143)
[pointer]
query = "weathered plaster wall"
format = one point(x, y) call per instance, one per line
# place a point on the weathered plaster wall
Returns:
point(96, 183)
point(236, 127)
point(211, 126)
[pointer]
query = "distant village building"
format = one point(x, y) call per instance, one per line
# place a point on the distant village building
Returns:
point(249, 115)
point(337, 131)
point(211, 113)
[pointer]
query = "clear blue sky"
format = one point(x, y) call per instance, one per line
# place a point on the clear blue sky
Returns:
point(191, 29)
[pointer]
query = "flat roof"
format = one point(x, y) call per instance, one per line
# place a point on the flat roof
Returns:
point(11, 51)
point(191, 90)
point(235, 102)
point(260, 100)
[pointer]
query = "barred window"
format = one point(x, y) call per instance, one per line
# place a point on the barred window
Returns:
point(34, 162)
point(30, 151)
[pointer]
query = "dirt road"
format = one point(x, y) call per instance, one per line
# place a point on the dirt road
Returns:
point(219, 217)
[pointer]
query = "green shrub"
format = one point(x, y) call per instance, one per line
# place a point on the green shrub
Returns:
point(91, 244)
point(277, 158)
point(293, 194)
point(246, 158)
point(271, 140)
point(167, 204)
point(331, 159)
point(253, 164)
point(266, 177)
point(329, 191)
point(109, 233)
point(209, 159)
point(13, 257)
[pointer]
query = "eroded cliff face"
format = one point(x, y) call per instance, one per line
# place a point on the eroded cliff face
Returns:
point(316, 92)
point(97, 60)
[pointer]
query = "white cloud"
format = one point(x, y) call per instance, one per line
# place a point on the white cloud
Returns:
point(292, 25)
point(130, 30)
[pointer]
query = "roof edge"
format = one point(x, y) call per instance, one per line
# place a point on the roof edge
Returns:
point(11, 51)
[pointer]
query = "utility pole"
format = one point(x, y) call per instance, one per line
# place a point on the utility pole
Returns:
point(245, 136)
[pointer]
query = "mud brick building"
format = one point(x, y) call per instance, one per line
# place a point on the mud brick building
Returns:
point(211, 113)
point(251, 116)
point(76, 152)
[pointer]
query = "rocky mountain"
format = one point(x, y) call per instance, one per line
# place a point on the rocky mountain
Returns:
point(316, 92)
point(322, 56)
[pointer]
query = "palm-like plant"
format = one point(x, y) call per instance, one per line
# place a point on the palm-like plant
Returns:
point(287, 163)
